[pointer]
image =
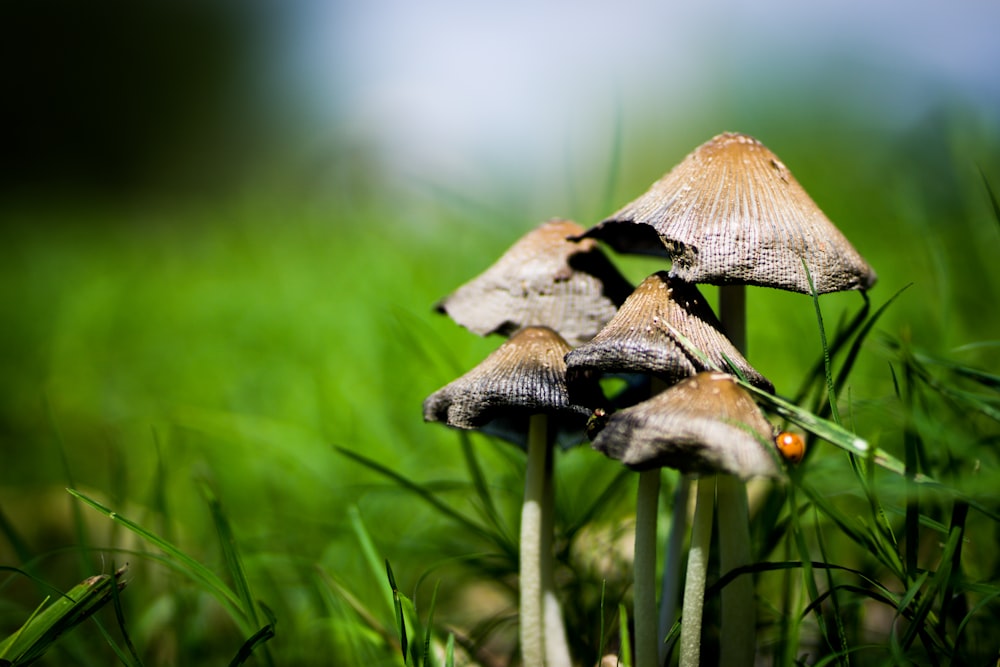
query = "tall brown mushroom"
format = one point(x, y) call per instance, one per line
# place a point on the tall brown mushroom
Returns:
point(522, 387)
point(644, 337)
point(732, 214)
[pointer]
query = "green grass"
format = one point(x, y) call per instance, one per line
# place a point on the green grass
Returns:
point(240, 385)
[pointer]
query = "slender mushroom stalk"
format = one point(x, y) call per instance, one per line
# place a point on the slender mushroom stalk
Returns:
point(640, 339)
point(532, 621)
point(697, 573)
point(556, 643)
point(520, 391)
point(669, 585)
point(644, 566)
point(705, 425)
point(732, 214)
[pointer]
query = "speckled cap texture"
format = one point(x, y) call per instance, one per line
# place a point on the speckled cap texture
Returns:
point(525, 376)
point(732, 213)
point(544, 279)
point(704, 424)
point(642, 337)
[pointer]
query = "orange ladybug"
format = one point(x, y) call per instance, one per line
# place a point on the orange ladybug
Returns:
point(791, 446)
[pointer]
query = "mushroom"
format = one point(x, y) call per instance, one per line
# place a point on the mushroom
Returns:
point(643, 337)
point(731, 214)
point(521, 388)
point(544, 279)
point(703, 425)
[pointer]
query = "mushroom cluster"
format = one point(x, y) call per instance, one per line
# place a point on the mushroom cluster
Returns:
point(730, 214)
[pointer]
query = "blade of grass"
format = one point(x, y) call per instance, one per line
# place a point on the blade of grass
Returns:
point(397, 606)
point(831, 586)
point(911, 444)
point(855, 349)
point(959, 514)
point(888, 557)
point(429, 630)
point(808, 577)
point(231, 555)
point(427, 496)
point(49, 622)
point(257, 639)
point(827, 372)
point(376, 565)
point(133, 655)
point(449, 651)
point(481, 487)
point(192, 568)
point(626, 642)
point(237, 571)
point(21, 637)
point(840, 339)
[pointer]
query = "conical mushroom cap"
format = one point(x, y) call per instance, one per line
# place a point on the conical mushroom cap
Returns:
point(732, 213)
point(525, 376)
point(544, 279)
point(641, 337)
point(703, 424)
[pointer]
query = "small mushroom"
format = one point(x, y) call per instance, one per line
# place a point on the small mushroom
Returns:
point(642, 337)
point(705, 424)
point(520, 390)
point(544, 279)
point(524, 377)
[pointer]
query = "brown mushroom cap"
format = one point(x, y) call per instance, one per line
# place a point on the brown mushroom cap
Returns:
point(641, 337)
point(544, 279)
point(703, 424)
point(525, 376)
point(732, 213)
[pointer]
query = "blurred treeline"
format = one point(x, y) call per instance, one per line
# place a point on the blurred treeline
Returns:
point(112, 99)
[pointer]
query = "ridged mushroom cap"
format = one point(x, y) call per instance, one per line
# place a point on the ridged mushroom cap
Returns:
point(544, 279)
point(732, 213)
point(525, 376)
point(703, 424)
point(642, 336)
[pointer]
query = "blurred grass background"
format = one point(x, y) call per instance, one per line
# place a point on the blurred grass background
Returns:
point(201, 284)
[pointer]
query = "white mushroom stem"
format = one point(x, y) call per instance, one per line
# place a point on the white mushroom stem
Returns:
point(644, 569)
point(739, 618)
point(532, 625)
point(697, 574)
point(556, 644)
point(672, 562)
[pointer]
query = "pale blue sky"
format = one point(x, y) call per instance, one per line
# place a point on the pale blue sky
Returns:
point(447, 84)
